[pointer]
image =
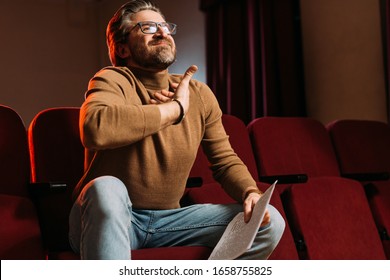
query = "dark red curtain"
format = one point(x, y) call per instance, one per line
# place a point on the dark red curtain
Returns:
point(254, 63)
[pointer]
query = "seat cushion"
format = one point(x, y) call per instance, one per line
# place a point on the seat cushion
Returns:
point(19, 229)
point(332, 216)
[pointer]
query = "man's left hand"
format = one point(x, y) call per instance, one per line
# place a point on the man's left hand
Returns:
point(163, 96)
point(249, 204)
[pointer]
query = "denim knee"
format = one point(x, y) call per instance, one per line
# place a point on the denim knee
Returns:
point(100, 220)
point(106, 194)
point(277, 224)
point(267, 237)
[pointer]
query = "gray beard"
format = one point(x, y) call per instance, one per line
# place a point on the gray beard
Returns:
point(161, 58)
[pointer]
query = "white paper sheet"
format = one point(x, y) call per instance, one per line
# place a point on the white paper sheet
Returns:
point(238, 236)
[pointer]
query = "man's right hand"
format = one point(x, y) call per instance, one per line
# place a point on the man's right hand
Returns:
point(182, 93)
point(170, 111)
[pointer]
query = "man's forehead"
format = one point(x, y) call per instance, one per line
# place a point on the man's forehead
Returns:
point(148, 15)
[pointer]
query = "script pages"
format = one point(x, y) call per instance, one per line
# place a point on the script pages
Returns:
point(238, 236)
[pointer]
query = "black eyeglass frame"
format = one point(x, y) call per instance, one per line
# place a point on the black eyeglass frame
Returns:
point(168, 27)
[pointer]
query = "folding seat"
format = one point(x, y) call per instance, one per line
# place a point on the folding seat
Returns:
point(291, 150)
point(57, 158)
point(331, 220)
point(299, 152)
point(363, 151)
point(57, 163)
point(211, 191)
point(240, 142)
point(20, 235)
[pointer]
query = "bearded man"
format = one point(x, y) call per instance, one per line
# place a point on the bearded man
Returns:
point(141, 128)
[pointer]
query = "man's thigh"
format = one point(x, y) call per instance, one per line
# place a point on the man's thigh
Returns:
point(195, 225)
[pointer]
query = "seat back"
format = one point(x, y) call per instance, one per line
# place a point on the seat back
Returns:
point(363, 151)
point(330, 219)
point(211, 191)
point(57, 162)
point(290, 146)
point(240, 142)
point(362, 146)
point(20, 236)
point(285, 146)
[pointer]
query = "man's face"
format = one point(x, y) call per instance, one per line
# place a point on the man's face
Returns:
point(150, 51)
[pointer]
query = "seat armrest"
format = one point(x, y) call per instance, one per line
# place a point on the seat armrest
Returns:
point(285, 179)
point(375, 176)
point(47, 188)
point(194, 182)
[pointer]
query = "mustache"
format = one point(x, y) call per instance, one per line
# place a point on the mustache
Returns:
point(159, 41)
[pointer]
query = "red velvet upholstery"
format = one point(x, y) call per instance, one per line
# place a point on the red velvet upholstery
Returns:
point(241, 144)
point(57, 155)
point(240, 141)
point(285, 146)
point(20, 236)
point(332, 217)
point(378, 194)
point(212, 192)
point(286, 249)
point(363, 147)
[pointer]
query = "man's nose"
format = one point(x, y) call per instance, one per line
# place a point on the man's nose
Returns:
point(161, 31)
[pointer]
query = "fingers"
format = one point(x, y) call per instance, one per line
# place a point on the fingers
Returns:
point(174, 85)
point(247, 215)
point(162, 96)
point(191, 70)
point(266, 219)
point(179, 89)
point(189, 73)
point(248, 207)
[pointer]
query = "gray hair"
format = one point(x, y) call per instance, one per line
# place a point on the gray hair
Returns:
point(120, 23)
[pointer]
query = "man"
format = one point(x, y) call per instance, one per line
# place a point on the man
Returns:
point(141, 128)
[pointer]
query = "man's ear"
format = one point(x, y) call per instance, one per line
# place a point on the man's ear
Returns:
point(123, 51)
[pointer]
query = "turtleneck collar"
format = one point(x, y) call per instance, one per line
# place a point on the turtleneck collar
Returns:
point(151, 80)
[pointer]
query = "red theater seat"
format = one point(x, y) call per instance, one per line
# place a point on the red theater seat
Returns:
point(292, 149)
point(295, 148)
point(20, 236)
point(363, 151)
point(212, 192)
point(332, 220)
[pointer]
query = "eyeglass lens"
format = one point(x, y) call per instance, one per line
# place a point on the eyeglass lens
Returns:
point(152, 27)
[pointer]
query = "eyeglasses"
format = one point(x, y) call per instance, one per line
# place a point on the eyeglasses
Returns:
point(150, 27)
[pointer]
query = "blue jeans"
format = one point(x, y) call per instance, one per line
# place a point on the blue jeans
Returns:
point(103, 224)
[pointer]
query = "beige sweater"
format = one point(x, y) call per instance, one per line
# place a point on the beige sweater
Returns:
point(121, 134)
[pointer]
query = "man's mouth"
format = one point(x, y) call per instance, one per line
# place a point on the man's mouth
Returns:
point(160, 43)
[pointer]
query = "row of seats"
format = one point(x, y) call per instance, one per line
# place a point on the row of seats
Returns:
point(333, 190)
point(334, 208)
point(34, 212)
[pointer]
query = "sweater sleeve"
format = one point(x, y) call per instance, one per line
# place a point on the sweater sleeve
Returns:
point(113, 114)
point(228, 169)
